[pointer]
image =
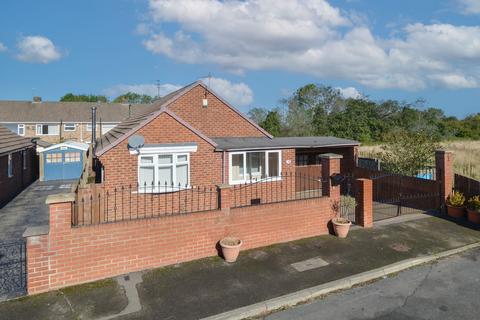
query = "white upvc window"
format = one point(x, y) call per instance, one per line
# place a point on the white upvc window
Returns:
point(252, 166)
point(21, 129)
point(47, 129)
point(165, 172)
point(69, 127)
point(10, 166)
point(107, 127)
point(89, 127)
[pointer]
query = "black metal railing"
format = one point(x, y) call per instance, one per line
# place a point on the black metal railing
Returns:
point(285, 187)
point(130, 202)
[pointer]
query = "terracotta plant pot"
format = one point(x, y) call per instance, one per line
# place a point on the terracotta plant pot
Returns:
point(230, 248)
point(341, 227)
point(473, 216)
point(455, 212)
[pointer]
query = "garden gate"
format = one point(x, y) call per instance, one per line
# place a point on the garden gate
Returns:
point(13, 275)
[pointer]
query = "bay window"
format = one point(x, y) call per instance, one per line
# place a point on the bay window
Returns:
point(163, 172)
point(254, 166)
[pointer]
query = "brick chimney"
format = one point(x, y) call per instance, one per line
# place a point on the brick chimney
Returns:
point(37, 99)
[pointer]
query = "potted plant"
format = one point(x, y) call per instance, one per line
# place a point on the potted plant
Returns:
point(341, 224)
point(230, 248)
point(473, 209)
point(455, 203)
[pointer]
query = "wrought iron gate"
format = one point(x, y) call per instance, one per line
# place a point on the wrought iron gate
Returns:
point(395, 195)
point(13, 275)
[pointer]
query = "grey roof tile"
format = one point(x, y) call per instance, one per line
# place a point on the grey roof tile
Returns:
point(11, 142)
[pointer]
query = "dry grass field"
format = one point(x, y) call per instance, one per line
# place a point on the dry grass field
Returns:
point(467, 156)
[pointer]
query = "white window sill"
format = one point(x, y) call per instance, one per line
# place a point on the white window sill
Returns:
point(157, 190)
point(270, 179)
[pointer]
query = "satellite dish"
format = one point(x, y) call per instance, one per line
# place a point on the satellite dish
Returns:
point(136, 142)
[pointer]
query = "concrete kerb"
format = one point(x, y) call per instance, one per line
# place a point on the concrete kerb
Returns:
point(295, 298)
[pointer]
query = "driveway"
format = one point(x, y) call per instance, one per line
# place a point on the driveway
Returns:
point(28, 209)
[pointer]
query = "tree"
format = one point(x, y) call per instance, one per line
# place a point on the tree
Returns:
point(70, 97)
point(407, 152)
point(272, 123)
point(258, 115)
point(132, 97)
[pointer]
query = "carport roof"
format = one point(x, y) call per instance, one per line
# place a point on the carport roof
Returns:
point(263, 143)
point(11, 142)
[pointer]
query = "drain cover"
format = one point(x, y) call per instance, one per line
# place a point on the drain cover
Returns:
point(309, 264)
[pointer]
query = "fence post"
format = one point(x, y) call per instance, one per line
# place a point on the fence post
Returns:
point(444, 173)
point(330, 167)
point(225, 197)
point(364, 199)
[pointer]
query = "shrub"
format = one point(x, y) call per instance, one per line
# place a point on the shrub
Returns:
point(456, 199)
point(474, 203)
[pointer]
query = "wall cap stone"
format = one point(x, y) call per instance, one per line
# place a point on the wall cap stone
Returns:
point(444, 151)
point(331, 156)
point(36, 231)
point(60, 198)
point(224, 186)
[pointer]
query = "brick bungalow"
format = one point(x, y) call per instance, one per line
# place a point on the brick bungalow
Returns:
point(18, 164)
point(192, 137)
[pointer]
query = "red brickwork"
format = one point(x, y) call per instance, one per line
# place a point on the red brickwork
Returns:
point(68, 256)
point(444, 166)
point(216, 120)
point(364, 198)
point(120, 167)
point(11, 186)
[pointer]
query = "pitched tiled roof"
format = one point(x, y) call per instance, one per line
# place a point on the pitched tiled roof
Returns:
point(11, 142)
point(115, 135)
point(27, 111)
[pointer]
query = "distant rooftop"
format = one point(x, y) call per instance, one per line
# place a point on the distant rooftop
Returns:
point(263, 143)
point(11, 142)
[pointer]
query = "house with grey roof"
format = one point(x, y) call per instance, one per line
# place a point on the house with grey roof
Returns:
point(54, 122)
point(18, 164)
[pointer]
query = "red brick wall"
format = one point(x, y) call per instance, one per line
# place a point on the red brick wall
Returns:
point(11, 186)
point(68, 256)
point(120, 167)
point(217, 120)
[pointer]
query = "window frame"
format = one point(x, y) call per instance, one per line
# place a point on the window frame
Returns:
point(88, 127)
point(70, 124)
point(160, 188)
point(22, 127)
point(40, 132)
point(245, 170)
point(10, 166)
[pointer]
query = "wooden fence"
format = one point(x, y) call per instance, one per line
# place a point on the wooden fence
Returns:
point(469, 187)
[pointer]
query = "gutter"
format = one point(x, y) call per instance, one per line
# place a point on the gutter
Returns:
point(286, 147)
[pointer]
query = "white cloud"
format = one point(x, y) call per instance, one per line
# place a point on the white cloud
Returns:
point(37, 49)
point(469, 6)
point(238, 94)
point(313, 37)
point(2, 47)
point(145, 88)
point(350, 92)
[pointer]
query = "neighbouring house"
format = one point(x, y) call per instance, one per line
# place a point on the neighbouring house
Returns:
point(18, 164)
point(62, 161)
point(56, 122)
point(192, 137)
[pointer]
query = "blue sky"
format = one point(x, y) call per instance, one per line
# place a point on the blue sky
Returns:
point(257, 51)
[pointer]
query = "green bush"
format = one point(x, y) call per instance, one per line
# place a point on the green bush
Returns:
point(456, 199)
point(474, 203)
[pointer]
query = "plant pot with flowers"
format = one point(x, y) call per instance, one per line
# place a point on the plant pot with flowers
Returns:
point(341, 223)
point(473, 209)
point(455, 205)
point(230, 248)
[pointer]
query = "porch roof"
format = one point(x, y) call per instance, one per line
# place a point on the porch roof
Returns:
point(263, 143)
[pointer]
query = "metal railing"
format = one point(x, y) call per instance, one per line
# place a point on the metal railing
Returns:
point(285, 187)
point(129, 202)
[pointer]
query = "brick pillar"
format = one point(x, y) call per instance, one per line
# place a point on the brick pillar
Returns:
point(364, 199)
point(225, 197)
point(40, 248)
point(330, 167)
point(444, 172)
